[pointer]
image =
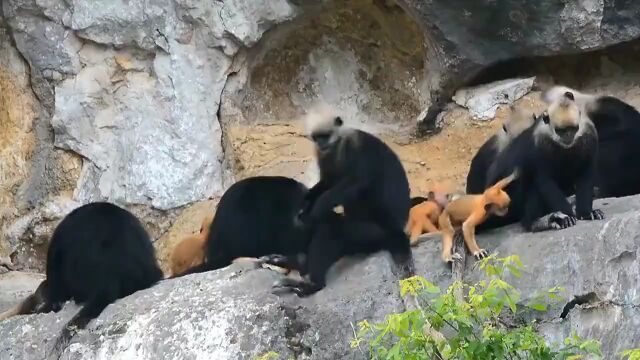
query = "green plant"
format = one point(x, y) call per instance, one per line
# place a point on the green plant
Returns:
point(466, 322)
point(267, 356)
point(632, 354)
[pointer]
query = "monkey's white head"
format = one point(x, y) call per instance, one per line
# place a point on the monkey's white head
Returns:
point(324, 126)
point(564, 119)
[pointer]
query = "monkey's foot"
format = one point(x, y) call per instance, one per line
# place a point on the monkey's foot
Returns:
point(480, 254)
point(595, 214)
point(299, 287)
point(559, 220)
point(451, 257)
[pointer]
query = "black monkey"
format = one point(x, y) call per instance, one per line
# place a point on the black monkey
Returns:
point(361, 173)
point(256, 217)
point(98, 253)
point(514, 125)
point(557, 157)
point(618, 126)
point(517, 122)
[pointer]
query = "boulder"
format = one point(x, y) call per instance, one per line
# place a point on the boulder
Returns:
point(483, 101)
point(232, 314)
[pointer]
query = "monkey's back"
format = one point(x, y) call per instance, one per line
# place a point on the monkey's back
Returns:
point(100, 248)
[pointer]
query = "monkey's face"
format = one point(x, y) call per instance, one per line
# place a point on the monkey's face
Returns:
point(442, 199)
point(517, 122)
point(498, 201)
point(563, 118)
point(325, 136)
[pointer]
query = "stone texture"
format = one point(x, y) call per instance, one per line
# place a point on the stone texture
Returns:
point(483, 101)
point(231, 313)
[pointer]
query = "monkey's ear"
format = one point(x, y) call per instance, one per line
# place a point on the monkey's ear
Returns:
point(569, 95)
point(337, 121)
point(431, 196)
point(546, 118)
point(487, 207)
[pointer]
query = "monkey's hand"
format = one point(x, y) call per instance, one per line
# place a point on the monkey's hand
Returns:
point(595, 214)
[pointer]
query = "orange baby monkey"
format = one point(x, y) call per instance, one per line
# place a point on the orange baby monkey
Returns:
point(468, 211)
point(423, 218)
point(190, 251)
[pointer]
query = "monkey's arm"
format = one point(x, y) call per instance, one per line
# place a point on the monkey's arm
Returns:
point(584, 195)
point(552, 195)
point(335, 196)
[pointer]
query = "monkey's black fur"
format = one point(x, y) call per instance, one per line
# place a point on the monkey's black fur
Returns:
point(255, 217)
point(417, 200)
point(548, 173)
point(618, 125)
point(98, 253)
point(480, 164)
point(361, 173)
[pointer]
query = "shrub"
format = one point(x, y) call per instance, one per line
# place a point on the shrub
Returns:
point(466, 322)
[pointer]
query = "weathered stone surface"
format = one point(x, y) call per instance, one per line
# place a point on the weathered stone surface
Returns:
point(483, 101)
point(231, 313)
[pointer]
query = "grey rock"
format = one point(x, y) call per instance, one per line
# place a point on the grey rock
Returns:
point(47, 45)
point(15, 286)
point(151, 140)
point(232, 314)
point(465, 36)
point(144, 24)
point(483, 101)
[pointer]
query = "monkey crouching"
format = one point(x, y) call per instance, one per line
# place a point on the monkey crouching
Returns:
point(469, 211)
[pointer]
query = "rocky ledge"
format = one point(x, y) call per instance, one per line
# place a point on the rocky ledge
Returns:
point(232, 314)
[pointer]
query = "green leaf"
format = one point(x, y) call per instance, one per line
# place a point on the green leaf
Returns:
point(538, 307)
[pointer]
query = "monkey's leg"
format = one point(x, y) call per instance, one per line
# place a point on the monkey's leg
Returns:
point(552, 195)
point(537, 219)
point(448, 233)
point(469, 234)
point(89, 311)
point(325, 249)
point(429, 227)
point(584, 197)
point(416, 231)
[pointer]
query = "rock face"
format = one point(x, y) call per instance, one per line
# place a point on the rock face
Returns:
point(231, 313)
point(135, 88)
